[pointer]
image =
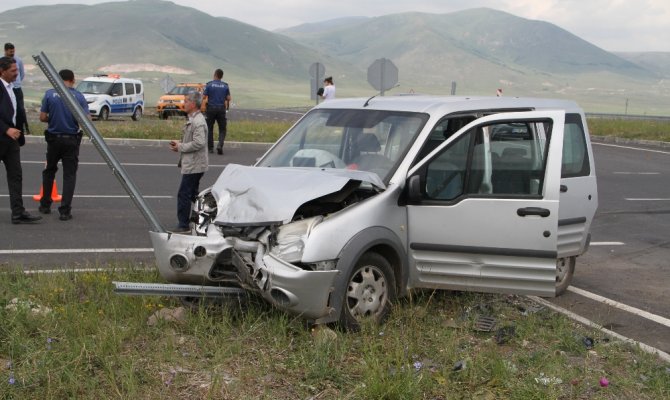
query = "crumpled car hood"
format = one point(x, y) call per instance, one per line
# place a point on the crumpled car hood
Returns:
point(261, 195)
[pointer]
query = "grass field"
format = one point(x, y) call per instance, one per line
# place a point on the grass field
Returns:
point(69, 336)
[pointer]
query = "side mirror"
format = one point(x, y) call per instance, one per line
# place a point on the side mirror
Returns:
point(414, 189)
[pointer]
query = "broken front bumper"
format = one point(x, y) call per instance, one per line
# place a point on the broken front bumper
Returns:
point(187, 259)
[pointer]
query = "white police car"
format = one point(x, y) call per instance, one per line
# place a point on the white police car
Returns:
point(111, 95)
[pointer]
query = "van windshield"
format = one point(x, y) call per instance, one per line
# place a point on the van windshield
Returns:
point(366, 140)
point(94, 87)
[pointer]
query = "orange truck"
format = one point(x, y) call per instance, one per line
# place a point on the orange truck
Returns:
point(172, 103)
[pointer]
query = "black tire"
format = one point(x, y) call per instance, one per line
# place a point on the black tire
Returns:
point(137, 114)
point(565, 269)
point(104, 114)
point(369, 293)
point(163, 115)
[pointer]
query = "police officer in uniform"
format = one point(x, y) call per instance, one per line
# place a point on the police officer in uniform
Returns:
point(218, 98)
point(63, 138)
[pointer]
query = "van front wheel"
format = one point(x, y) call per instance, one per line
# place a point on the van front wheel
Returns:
point(565, 269)
point(369, 293)
point(137, 114)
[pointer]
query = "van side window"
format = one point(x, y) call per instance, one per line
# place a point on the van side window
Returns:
point(575, 156)
point(130, 88)
point(503, 159)
point(138, 88)
point(116, 90)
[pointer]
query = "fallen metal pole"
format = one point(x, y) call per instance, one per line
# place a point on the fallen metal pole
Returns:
point(167, 289)
point(99, 143)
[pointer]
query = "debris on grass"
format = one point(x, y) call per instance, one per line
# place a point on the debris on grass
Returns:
point(485, 323)
point(167, 314)
point(504, 334)
point(16, 304)
point(548, 380)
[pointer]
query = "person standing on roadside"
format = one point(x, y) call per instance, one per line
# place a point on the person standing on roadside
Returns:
point(11, 139)
point(63, 138)
point(328, 89)
point(193, 159)
point(218, 98)
point(22, 117)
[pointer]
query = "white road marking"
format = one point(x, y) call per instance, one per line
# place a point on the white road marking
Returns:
point(650, 199)
point(71, 251)
point(636, 173)
point(645, 347)
point(641, 313)
point(173, 165)
point(607, 243)
point(631, 148)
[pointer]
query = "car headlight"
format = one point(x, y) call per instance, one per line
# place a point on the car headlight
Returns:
point(291, 239)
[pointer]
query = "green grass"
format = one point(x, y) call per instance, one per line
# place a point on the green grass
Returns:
point(630, 129)
point(153, 128)
point(94, 344)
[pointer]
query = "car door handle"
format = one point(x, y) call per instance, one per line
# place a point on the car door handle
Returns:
point(564, 188)
point(542, 212)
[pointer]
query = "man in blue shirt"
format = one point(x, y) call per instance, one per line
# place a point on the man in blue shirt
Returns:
point(218, 97)
point(63, 138)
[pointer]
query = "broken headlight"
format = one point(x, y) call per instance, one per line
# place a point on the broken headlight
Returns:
point(204, 211)
point(291, 238)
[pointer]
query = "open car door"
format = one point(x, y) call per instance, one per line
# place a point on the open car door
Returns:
point(483, 206)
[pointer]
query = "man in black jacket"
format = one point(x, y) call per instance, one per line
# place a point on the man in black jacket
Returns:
point(11, 139)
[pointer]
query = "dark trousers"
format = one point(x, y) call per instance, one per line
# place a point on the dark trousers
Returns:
point(64, 148)
point(188, 191)
point(21, 116)
point(10, 155)
point(216, 114)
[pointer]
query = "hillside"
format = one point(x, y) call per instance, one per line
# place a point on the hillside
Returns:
point(161, 35)
point(479, 49)
point(656, 61)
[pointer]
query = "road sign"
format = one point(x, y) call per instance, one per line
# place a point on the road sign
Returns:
point(317, 71)
point(382, 74)
point(167, 84)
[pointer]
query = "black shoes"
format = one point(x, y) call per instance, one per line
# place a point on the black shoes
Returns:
point(219, 150)
point(44, 210)
point(65, 217)
point(25, 218)
point(211, 150)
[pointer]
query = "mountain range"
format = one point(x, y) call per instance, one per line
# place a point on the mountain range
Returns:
point(477, 50)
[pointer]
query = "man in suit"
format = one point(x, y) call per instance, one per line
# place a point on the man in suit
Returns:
point(11, 139)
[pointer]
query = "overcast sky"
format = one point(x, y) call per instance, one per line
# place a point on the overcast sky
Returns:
point(614, 25)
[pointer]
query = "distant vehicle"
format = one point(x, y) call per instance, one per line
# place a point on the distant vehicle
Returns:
point(363, 200)
point(112, 95)
point(172, 103)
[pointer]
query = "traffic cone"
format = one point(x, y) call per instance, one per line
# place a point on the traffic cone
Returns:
point(54, 193)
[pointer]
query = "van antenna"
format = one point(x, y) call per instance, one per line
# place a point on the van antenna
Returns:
point(368, 100)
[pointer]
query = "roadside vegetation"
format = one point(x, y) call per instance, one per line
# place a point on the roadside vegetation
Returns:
point(631, 129)
point(68, 335)
point(150, 127)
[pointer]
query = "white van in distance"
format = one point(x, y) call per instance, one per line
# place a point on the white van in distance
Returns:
point(111, 95)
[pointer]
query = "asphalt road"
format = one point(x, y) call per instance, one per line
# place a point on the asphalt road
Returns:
point(627, 263)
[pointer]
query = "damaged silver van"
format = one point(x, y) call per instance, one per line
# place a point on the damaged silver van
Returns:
point(363, 200)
